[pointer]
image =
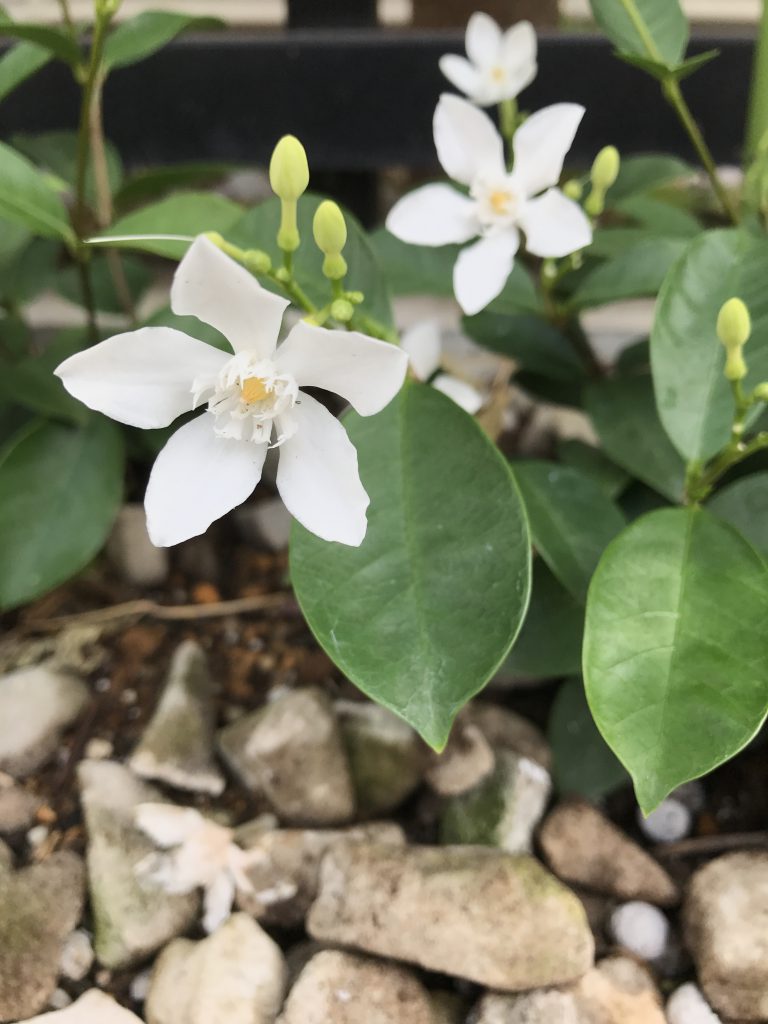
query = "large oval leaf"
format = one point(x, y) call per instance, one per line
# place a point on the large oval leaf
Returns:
point(60, 489)
point(743, 504)
point(664, 32)
point(675, 648)
point(422, 614)
point(694, 398)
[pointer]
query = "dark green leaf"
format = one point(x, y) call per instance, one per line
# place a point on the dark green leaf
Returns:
point(137, 276)
point(56, 41)
point(592, 462)
point(187, 214)
point(152, 184)
point(637, 272)
point(31, 272)
point(664, 23)
point(31, 382)
point(57, 152)
point(533, 343)
point(660, 217)
point(675, 648)
point(146, 33)
point(421, 615)
point(415, 269)
point(640, 175)
point(28, 199)
point(744, 504)
point(19, 64)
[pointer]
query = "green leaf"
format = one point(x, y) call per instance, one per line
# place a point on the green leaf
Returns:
point(141, 36)
point(675, 648)
point(743, 504)
point(662, 71)
point(188, 213)
point(30, 382)
point(637, 272)
point(572, 520)
point(19, 64)
point(664, 33)
point(60, 489)
point(659, 217)
point(694, 398)
point(189, 325)
point(30, 273)
point(55, 40)
point(623, 411)
point(28, 199)
point(592, 462)
point(646, 173)
point(533, 343)
point(415, 269)
point(57, 152)
point(549, 645)
point(518, 295)
point(138, 277)
point(156, 182)
point(583, 763)
point(422, 614)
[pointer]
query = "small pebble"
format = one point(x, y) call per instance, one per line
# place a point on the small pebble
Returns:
point(59, 1000)
point(128, 696)
point(140, 985)
point(670, 822)
point(99, 749)
point(103, 684)
point(692, 794)
point(688, 1006)
point(77, 956)
point(641, 929)
point(37, 835)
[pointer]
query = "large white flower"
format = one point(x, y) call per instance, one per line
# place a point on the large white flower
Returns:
point(148, 377)
point(424, 345)
point(500, 64)
point(500, 202)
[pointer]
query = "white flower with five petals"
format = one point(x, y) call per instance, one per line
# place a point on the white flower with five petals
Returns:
point(424, 345)
point(500, 203)
point(147, 378)
point(499, 65)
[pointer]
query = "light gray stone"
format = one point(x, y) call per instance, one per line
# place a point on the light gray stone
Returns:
point(291, 752)
point(340, 988)
point(77, 956)
point(473, 912)
point(132, 552)
point(641, 929)
point(17, 809)
point(582, 846)
point(177, 745)
point(671, 821)
point(726, 927)
point(36, 706)
point(93, 1007)
point(39, 908)
point(235, 976)
point(687, 1005)
point(466, 762)
point(130, 922)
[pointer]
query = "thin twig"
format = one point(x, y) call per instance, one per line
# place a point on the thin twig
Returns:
point(709, 846)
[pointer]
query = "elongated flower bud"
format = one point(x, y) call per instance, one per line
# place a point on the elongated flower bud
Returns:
point(605, 169)
point(734, 328)
point(288, 169)
point(573, 189)
point(330, 232)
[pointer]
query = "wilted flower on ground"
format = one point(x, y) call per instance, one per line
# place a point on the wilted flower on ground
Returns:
point(500, 64)
point(147, 378)
point(424, 347)
point(500, 203)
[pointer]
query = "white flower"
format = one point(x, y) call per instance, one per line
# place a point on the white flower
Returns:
point(210, 465)
point(423, 344)
point(500, 203)
point(201, 855)
point(500, 64)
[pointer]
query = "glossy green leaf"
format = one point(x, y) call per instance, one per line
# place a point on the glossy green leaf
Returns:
point(530, 340)
point(28, 199)
point(663, 35)
point(19, 64)
point(582, 762)
point(141, 36)
point(635, 273)
point(422, 614)
point(675, 648)
point(60, 489)
point(624, 414)
point(572, 520)
point(187, 213)
point(55, 40)
point(744, 504)
point(593, 462)
point(694, 399)
point(647, 172)
point(415, 269)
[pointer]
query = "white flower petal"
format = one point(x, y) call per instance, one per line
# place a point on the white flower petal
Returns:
point(461, 74)
point(318, 479)
point(467, 141)
point(423, 345)
point(519, 48)
point(541, 145)
point(211, 286)
point(482, 270)
point(197, 478)
point(142, 378)
point(433, 215)
point(168, 825)
point(217, 901)
point(483, 39)
point(368, 373)
point(463, 394)
point(554, 225)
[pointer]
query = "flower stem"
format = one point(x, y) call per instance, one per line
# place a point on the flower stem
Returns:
point(701, 479)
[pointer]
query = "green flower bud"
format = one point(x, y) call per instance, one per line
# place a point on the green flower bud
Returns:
point(734, 325)
point(288, 234)
point(735, 367)
point(356, 297)
point(256, 261)
point(329, 228)
point(288, 169)
point(342, 310)
point(574, 190)
point(605, 169)
point(761, 392)
point(335, 267)
point(282, 275)
point(595, 204)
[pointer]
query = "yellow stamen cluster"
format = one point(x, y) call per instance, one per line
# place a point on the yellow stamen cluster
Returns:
point(255, 389)
point(500, 201)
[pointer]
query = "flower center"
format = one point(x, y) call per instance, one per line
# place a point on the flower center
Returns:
point(498, 200)
point(254, 389)
point(498, 74)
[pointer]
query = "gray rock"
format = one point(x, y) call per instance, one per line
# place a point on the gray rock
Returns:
point(130, 922)
point(177, 746)
point(36, 706)
point(285, 884)
point(77, 956)
point(93, 1007)
point(235, 976)
point(582, 846)
point(671, 821)
point(467, 760)
point(641, 929)
point(726, 927)
point(291, 752)
point(506, 730)
point(39, 907)
point(477, 913)
point(386, 757)
point(17, 809)
point(503, 810)
point(134, 555)
point(339, 988)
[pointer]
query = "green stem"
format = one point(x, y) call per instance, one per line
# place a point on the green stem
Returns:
point(701, 479)
point(508, 125)
point(758, 103)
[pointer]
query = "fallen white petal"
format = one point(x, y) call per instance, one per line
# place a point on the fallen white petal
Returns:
point(213, 287)
point(423, 345)
point(554, 225)
point(467, 141)
point(461, 74)
point(142, 378)
point(433, 215)
point(197, 478)
point(368, 373)
point(463, 394)
point(168, 825)
point(541, 144)
point(482, 39)
point(318, 478)
point(482, 270)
